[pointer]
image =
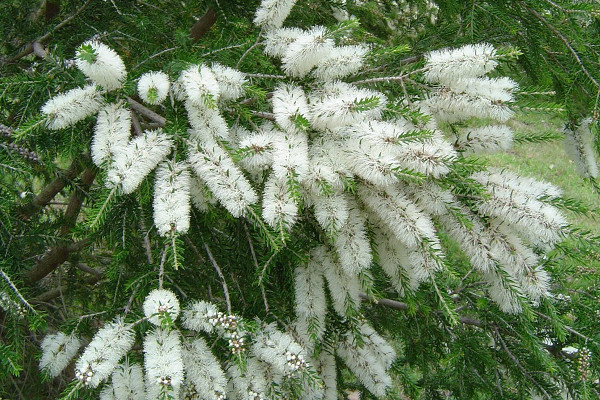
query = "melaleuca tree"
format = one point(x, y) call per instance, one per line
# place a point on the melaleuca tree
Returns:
point(276, 205)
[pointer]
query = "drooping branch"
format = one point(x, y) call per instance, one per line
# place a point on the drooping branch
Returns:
point(397, 305)
point(59, 254)
point(30, 47)
point(53, 188)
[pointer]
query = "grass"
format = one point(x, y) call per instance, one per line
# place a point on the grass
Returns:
point(549, 162)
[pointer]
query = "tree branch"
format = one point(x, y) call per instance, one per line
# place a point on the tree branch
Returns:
point(146, 112)
point(52, 189)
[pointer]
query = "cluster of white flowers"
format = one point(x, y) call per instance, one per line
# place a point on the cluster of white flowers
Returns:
point(127, 383)
point(172, 198)
point(153, 87)
point(101, 64)
point(279, 350)
point(464, 93)
point(203, 370)
point(163, 363)
point(104, 352)
point(160, 302)
point(579, 143)
point(11, 306)
point(57, 351)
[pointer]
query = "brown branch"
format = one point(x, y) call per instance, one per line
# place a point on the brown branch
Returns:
point(146, 112)
point(397, 305)
point(29, 48)
point(52, 189)
point(203, 25)
point(59, 254)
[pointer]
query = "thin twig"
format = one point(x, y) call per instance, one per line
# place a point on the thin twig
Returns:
point(256, 43)
point(518, 364)
point(146, 112)
point(161, 268)
point(221, 276)
point(262, 287)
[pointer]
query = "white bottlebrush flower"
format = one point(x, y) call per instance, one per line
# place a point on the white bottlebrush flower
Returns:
point(431, 157)
point(277, 41)
point(163, 363)
point(231, 81)
point(128, 382)
point(341, 62)
point(200, 316)
point(199, 85)
point(472, 60)
point(200, 195)
point(505, 294)
point(73, 106)
point(538, 222)
point(352, 243)
point(304, 53)
point(409, 224)
point(172, 198)
point(207, 123)
point(515, 258)
point(222, 176)
point(394, 258)
point(310, 304)
point(279, 207)
point(203, 370)
point(504, 179)
point(104, 352)
point(494, 89)
point(111, 133)
point(279, 350)
point(140, 157)
point(387, 133)
point(579, 144)
point(159, 303)
point(289, 103)
point(331, 211)
point(272, 13)
point(372, 162)
point(344, 288)
point(377, 345)
point(256, 152)
point(485, 140)
point(447, 106)
point(474, 240)
point(290, 155)
point(153, 87)
point(58, 350)
point(249, 384)
point(101, 64)
point(431, 198)
point(339, 104)
point(365, 365)
point(107, 393)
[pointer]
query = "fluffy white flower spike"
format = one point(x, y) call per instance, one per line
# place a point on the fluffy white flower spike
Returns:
point(172, 198)
point(272, 13)
point(203, 370)
point(159, 303)
point(101, 64)
point(140, 157)
point(199, 85)
point(163, 363)
point(579, 143)
point(128, 382)
point(57, 351)
point(153, 87)
point(111, 133)
point(231, 81)
point(470, 61)
point(199, 316)
point(341, 62)
point(73, 106)
point(306, 52)
point(278, 40)
point(103, 353)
